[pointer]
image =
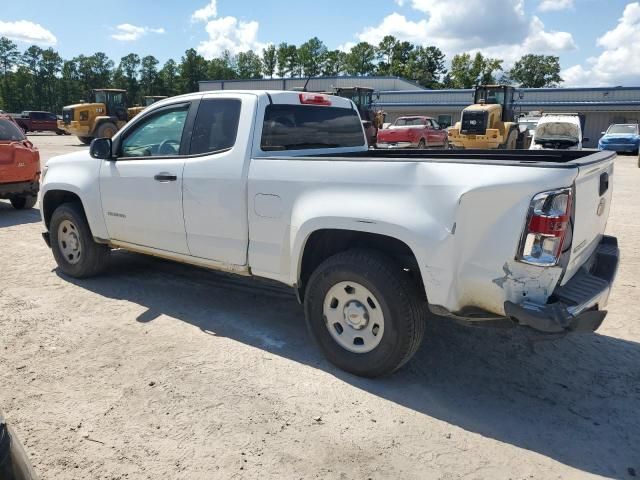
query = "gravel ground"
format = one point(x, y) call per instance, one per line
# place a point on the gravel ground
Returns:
point(162, 371)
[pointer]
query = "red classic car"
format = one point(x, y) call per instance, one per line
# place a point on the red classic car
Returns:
point(19, 166)
point(413, 132)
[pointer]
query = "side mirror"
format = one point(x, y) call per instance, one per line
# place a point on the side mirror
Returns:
point(101, 148)
point(603, 133)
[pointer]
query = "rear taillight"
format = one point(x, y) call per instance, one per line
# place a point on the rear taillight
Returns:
point(546, 228)
point(314, 99)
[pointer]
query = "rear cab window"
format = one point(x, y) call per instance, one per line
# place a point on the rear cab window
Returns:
point(307, 127)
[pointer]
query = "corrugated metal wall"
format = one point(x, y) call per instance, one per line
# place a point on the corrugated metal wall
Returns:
point(315, 84)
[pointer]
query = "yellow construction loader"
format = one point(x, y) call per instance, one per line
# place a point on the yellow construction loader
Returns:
point(146, 102)
point(489, 123)
point(102, 116)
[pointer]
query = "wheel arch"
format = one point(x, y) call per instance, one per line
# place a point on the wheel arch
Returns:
point(323, 243)
point(52, 199)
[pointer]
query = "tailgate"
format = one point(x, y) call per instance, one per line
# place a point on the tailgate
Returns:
point(17, 162)
point(592, 201)
point(399, 135)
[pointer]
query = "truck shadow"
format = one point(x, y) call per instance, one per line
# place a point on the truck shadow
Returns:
point(574, 399)
point(10, 217)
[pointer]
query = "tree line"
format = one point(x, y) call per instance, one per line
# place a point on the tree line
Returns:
point(40, 79)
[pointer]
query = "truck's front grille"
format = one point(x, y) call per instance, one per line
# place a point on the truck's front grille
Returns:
point(67, 115)
point(474, 122)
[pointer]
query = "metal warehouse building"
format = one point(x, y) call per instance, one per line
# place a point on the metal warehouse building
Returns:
point(600, 106)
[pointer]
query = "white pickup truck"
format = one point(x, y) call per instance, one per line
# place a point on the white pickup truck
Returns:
point(281, 185)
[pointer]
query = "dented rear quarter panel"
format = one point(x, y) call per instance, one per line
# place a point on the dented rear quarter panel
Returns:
point(462, 221)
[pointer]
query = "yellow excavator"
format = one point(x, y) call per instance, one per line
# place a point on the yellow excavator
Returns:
point(489, 123)
point(101, 117)
point(147, 101)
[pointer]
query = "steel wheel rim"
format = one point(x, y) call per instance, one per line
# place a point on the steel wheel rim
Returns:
point(69, 241)
point(353, 316)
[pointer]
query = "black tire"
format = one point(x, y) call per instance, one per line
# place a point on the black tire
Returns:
point(512, 141)
point(106, 130)
point(24, 202)
point(422, 144)
point(403, 306)
point(86, 140)
point(93, 258)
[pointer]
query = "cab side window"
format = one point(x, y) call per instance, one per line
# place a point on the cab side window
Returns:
point(159, 135)
point(216, 125)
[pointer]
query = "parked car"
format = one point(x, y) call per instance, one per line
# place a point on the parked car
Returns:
point(32, 121)
point(14, 463)
point(621, 137)
point(19, 166)
point(558, 132)
point(413, 132)
point(282, 185)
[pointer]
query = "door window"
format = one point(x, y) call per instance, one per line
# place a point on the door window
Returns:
point(158, 135)
point(216, 125)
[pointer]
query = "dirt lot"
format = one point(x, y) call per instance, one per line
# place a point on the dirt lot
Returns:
point(161, 371)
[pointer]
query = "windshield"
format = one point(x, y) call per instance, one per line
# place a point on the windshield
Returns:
point(10, 132)
point(629, 129)
point(409, 122)
point(149, 101)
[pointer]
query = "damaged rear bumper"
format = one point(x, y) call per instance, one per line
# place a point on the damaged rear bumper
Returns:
point(576, 306)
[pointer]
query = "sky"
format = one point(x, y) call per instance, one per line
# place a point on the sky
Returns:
point(598, 41)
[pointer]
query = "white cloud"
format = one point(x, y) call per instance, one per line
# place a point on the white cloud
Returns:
point(618, 64)
point(346, 47)
point(229, 33)
point(226, 33)
point(472, 25)
point(205, 13)
point(555, 5)
point(27, 32)
point(130, 33)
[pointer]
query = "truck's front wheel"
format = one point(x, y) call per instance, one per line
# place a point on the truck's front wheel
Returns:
point(365, 313)
point(86, 140)
point(74, 249)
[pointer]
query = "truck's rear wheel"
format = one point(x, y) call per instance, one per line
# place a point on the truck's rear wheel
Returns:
point(365, 313)
point(24, 202)
point(72, 244)
point(86, 140)
point(107, 130)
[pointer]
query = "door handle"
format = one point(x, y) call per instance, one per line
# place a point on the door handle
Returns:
point(165, 177)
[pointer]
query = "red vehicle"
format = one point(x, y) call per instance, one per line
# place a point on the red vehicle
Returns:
point(19, 166)
point(31, 121)
point(413, 132)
